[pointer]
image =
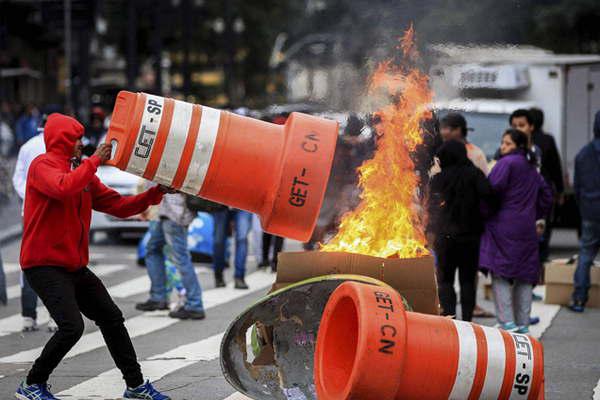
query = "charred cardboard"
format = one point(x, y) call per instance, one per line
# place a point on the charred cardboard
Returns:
point(559, 283)
point(414, 278)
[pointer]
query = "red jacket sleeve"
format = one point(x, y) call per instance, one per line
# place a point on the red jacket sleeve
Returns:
point(107, 200)
point(58, 184)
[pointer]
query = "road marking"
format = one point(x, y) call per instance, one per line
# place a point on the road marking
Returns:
point(16, 267)
point(14, 323)
point(597, 392)
point(14, 291)
point(150, 322)
point(141, 284)
point(546, 312)
point(110, 384)
point(11, 267)
point(237, 396)
point(131, 287)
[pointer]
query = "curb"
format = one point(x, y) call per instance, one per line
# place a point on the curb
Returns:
point(9, 234)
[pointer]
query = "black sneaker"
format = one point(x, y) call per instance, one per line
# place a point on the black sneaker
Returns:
point(577, 306)
point(219, 281)
point(263, 264)
point(182, 313)
point(152, 305)
point(240, 283)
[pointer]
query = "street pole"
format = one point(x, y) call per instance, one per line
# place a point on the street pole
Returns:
point(157, 46)
point(132, 68)
point(186, 40)
point(67, 20)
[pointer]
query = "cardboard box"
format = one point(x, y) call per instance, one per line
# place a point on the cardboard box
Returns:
point(559, 284)
point(414, 278)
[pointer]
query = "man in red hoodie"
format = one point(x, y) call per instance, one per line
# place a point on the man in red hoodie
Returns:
point(60, 195)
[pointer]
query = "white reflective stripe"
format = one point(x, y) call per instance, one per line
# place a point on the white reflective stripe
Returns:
point(496, 363)
point(523, 368)
point(180, 124)
point(467, 361)
point(146, 136)
point(207, 134)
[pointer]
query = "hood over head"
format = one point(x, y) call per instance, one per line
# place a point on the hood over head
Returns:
point(61, 132)
point(452, 153)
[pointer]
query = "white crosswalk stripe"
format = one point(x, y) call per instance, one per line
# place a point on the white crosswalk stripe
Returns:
point(14, 291)
point(150, 322)
point(110, 383)
point(140, 284)
point(11, 267)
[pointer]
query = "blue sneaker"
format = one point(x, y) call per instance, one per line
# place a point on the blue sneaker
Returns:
point(534, 320)
point(144, 392)
point(524, 330)
point(34, 392)
point(509, 327)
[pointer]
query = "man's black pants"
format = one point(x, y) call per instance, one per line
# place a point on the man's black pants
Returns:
point(461, 254)
point(67, 295)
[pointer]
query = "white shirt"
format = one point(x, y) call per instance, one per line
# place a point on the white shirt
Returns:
point(27, 153)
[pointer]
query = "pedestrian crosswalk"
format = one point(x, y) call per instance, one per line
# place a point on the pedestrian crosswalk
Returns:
point(101, 380)
point(14, 291)
point(108, 384)
point(148, 322)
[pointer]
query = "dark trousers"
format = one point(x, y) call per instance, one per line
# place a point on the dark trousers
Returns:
point(461, 254)
point(67, 295)
point(277, 241)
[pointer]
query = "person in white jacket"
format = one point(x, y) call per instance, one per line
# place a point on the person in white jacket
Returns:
point(27, 153)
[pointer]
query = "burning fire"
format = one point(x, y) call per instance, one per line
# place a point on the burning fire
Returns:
point(388, 219)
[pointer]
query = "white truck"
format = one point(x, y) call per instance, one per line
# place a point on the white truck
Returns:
point(487, 84)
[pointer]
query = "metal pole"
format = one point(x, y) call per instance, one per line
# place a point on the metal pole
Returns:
point(132, 68)
point(186, 40)
point(157, 46)
point(67, 20)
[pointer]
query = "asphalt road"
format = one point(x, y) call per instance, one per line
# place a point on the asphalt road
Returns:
point(183, 355)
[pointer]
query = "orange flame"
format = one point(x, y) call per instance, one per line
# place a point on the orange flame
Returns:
point(388, 220)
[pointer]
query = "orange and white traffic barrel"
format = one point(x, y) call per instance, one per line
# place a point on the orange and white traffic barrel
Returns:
point(369, 347)
point(278, 172)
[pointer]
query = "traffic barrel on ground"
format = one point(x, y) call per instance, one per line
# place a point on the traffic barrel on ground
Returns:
point(369, 347)
point(279, 172)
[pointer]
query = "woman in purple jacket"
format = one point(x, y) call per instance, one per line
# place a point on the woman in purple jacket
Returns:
point(509, 245)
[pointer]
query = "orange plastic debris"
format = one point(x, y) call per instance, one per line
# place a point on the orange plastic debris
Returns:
point(370, 347)
point(279, 172)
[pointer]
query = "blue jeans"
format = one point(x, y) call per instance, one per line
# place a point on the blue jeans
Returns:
point(588, 250)
point(168, 232)
point(242, 224)
point(29, 299)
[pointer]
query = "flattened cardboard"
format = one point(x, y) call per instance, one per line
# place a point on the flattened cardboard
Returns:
point(414, 278)
point(559, 284)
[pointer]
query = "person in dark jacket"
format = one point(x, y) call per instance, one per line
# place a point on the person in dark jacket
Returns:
point(454, 201)
point(61, 192)
point(587, 194)
point(551, 170)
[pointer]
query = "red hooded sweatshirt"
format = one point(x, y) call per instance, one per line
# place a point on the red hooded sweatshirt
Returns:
point(59, 200)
